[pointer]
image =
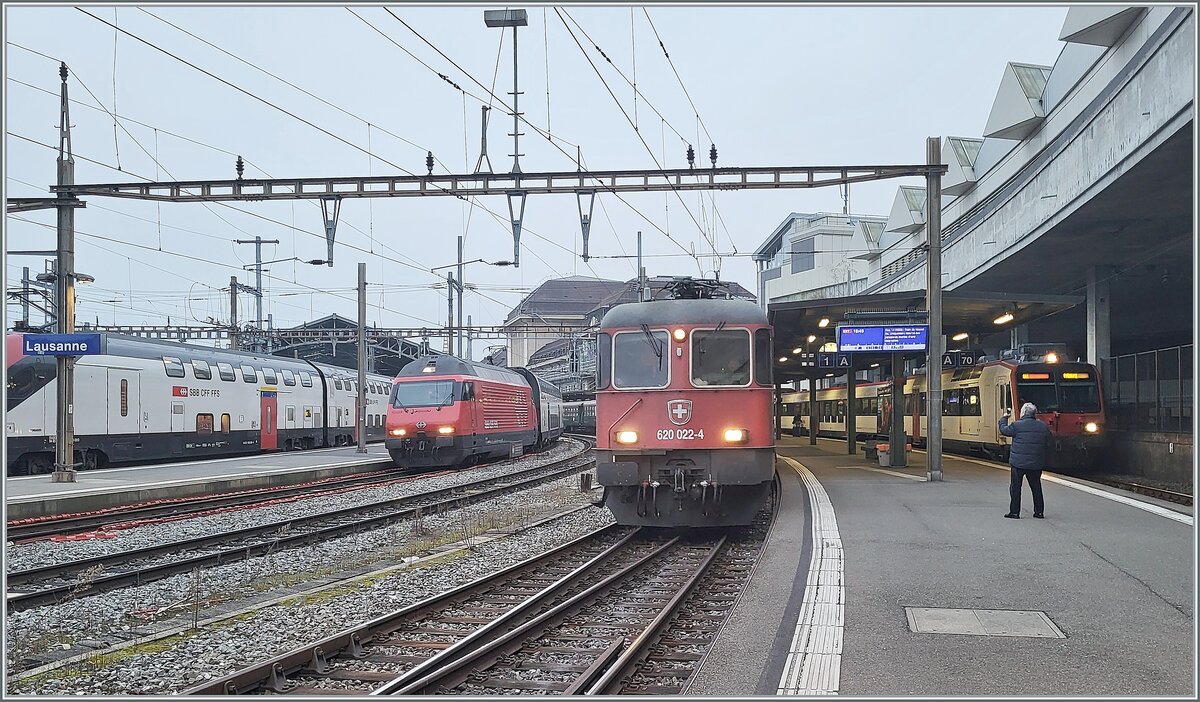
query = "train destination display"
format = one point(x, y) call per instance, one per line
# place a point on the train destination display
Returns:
point(886, 338)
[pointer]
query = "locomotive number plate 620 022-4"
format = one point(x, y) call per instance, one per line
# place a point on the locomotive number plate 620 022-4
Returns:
point(679, 434)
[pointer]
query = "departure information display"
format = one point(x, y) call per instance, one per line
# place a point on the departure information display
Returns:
point(886, 338)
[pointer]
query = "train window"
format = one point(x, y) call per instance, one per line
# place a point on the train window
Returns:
point(289, 378)
point(337, 383)
point(124, 398)
point(225, 424)
point(22, 380)
point(201, 370)
point(249, 375)
point(763, 360)
point(174, 367)
point(225, 370)
point(640, 359)
point(951, 403)
point(970, 403)
point(924, 404)
point(1079, 394)
point(603, 360)
point(468, 391)
point(269, 376)
point(291, 414)
point(306, 379)
point(720, 357)
point(204, 424)
point(1041, 393)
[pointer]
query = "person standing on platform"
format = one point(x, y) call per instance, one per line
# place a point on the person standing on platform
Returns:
point(1026, 458)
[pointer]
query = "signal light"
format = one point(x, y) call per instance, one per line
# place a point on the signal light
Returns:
point(679, 334)
point(627, 437)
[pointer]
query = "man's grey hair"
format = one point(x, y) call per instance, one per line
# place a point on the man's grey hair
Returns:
point(1028, 410)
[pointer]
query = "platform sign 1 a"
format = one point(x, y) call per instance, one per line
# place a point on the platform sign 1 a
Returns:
point(833, 360)
point(61, 345)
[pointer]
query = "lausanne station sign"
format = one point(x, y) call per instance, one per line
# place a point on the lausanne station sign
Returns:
point(885, 338)
point(61, 344)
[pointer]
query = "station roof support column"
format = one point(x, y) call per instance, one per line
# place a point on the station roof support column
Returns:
point(933, 229)
point(1098, 338)
point(851, 409)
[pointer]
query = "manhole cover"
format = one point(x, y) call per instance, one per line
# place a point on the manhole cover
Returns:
point(981, 622)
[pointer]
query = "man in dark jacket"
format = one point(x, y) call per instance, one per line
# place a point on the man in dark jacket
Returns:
point(1026, 458)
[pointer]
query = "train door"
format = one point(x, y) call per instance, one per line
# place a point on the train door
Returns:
point(176, 417)
point(124, 402)
point(470, 408)
point(1001, 403)
point(972, 412)
point(268, 437)
point(290, 417)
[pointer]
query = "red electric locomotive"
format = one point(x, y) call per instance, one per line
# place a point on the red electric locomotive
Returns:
point(445, 411)
point(683, 410)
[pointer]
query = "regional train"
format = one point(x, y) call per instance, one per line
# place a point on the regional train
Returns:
point(446, 411)
point(1067, 394)
point(684, 433)
point(152, 400)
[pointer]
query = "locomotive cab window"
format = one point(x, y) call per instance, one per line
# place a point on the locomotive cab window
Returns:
point(640, 359)
point(603, 360)
point(1078, 392)
point(225, 370)
point(720, 357)
point(423, 393)
point(173, 366)
point(762, 357)
point(201, 370)
point(249, 375)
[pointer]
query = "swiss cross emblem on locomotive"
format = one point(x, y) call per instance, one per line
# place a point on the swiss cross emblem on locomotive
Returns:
point(679, 411)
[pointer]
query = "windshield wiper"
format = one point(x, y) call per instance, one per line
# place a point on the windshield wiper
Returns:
point(654, 344)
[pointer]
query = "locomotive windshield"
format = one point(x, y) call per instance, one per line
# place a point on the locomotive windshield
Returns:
point(639, 359)
point(423, 393)
point(1061, 391)
point(720, 357)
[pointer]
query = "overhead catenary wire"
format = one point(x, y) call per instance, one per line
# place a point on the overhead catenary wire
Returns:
point(285, 111)
point(242, 90)
point(631, 123)
point(552, 139)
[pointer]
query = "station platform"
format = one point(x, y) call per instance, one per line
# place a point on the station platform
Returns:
point(36, 495)
point(875, 582)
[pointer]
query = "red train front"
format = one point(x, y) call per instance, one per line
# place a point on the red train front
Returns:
point(1070, 401)
point(684, 431)
point(445, 411)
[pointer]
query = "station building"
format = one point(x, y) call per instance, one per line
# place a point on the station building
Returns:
point(1069, 217)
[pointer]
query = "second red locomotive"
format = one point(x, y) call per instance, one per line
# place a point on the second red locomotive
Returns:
point(683, 411)
point(445, 411)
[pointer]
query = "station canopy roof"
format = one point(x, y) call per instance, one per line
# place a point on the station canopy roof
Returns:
point(971, 312)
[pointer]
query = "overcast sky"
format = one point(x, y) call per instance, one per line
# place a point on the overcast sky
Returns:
point(773, 86)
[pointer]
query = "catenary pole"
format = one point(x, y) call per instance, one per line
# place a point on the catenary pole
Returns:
point(362, 357)
point(64, 461)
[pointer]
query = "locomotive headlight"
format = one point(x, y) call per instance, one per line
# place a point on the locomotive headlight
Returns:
point(1051, 357)
point(445, 430)
point(627, 437)
point(736, 436)
point(1091, 427)
point(398, 432)
point(679, 334)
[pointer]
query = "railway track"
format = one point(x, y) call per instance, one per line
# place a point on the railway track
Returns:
point(618, 610)
point(1181, 498)
point(49, 584)
point(163, 510)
